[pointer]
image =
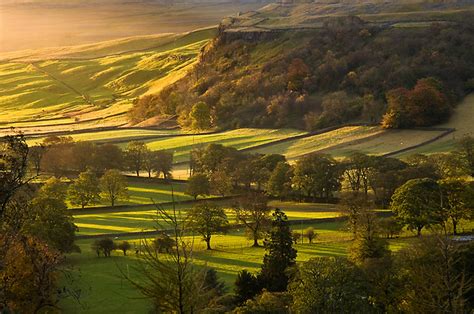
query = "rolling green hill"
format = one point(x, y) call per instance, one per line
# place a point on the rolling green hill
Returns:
point(93, 81)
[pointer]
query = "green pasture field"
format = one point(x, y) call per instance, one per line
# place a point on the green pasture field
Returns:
point(81, 88)
point(389, 141)
point(293, 149)
point(144, 191)
point(146, 219)
point(240, 139)
point(104, 288)
point(111, 136)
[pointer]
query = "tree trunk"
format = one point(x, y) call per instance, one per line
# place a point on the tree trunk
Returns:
point(455, 224)
point(138, 172)
point(418, 229)
point(149, 173)
point(112, 202)
point(255, 240)
point(208, 243)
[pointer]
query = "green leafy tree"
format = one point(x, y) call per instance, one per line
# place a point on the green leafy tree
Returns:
point(317, 175)
point(208, 219)
point(53, 188)
point(253, 212)
point(198, 184)
point(200, 116)
point(457, 201)
point(310, 234)
point(266, 303)
point(124, 246)
point(246, 286)
point(466, 150)
point(329, 285)
point(113, 186)
point(85, 189)
point(135, 156)
point(417, 203)
point(50, 221)
point(13, 167)
point(279, 183)
point(280, 254)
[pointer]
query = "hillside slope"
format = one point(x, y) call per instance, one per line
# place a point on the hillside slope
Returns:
point(318, 65)
point(72, 85)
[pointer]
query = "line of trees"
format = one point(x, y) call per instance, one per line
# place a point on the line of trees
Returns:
point(61, 156)
point(222, 170)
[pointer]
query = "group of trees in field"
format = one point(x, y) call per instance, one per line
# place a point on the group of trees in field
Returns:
point(87, 189)
point(36, 230)
point(224, 170)
point(329, 76)
point(61, 156)
point(372, 279)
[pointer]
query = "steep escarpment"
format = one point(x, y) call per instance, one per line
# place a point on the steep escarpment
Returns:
point(322, 71)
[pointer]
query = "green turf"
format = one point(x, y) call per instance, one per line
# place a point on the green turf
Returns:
point(240, 139)
point(76, 87)
point(295, 148)
point(144, 218)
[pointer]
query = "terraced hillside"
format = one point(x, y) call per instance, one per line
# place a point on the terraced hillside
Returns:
point(79, 87)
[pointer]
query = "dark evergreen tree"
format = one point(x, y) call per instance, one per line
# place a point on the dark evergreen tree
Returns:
point(280, 254)
point(246, 286)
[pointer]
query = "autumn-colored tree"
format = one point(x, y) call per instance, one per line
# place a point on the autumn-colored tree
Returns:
point(29, 276)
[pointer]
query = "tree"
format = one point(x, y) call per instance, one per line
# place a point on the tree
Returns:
point(279, 183)
point(317, 175)
point(198, 184)
point(35, 156)
point(266, 303)
point(296, 235)
point(368, 244)
point(135, 155)
point(246, 286)
point(200, 116)
point(50, 221)
point(163, 163)
point(124, 246)
point(85, 190)
point(58, 155)
point(108, 156)
point(208, 219)
point(163, 243)
point(221, 182)
point(329, 285)
point(13, 167)
point(390, 227)
point(310, 234)
point(29, 275)
point(280, 254)
point(104, 246)
point(253, 212)
point(113, 186)
point(171, 281)
point(53, 188)
point(357, 169)
point(466, 150)
point(424, 105)
point(418, 203)
point(436, 276)
point(355, 205)
point(457, 201)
